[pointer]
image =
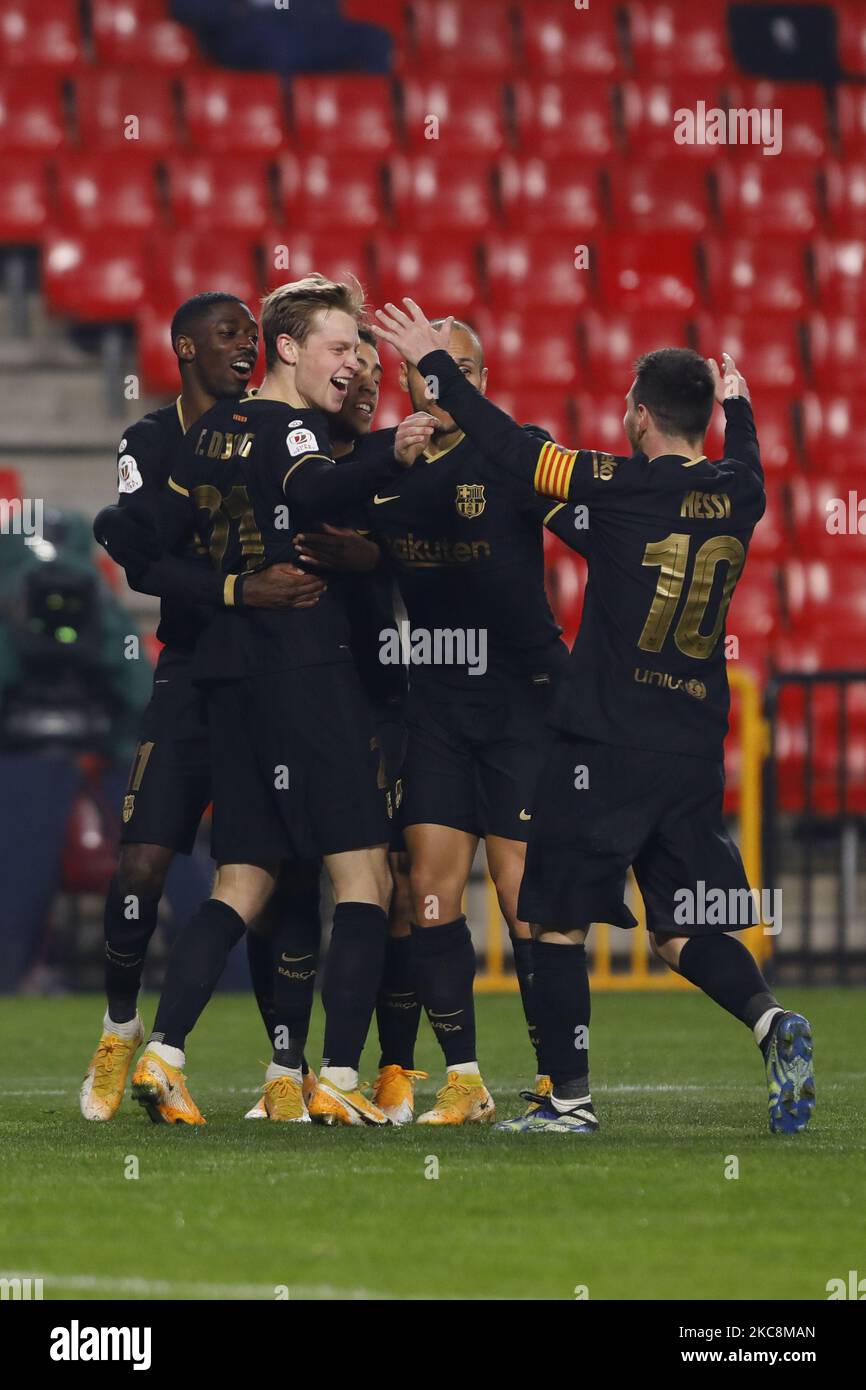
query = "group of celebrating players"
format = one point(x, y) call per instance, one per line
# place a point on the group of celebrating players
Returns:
point(279, 530)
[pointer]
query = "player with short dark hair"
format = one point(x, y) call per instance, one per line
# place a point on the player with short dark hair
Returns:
point(215, 338)
point(636, 775)
point(295, 765)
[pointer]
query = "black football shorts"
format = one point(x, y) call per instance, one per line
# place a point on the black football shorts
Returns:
point(296, 767)
point(390, 729)
point(169, 785)
point(472, 761)
point(599, 809)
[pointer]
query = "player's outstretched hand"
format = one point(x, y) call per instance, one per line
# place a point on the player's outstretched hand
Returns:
point(338, 549)
point(282, 586)
point(410, 331)
point(412, 437)
point(728, 382)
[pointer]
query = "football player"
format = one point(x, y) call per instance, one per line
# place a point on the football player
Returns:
point(215, 337)
point(636, 775)
point(466, 546)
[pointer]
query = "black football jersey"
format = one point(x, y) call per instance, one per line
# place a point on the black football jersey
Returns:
point(144, 458)
point(666, 542)
point(467, 552)
point(249, 476)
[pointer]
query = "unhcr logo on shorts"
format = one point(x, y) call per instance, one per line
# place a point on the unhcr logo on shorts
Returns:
point(730, 909)
point(438, 646)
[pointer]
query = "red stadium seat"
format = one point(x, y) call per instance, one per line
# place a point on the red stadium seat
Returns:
point(231, 113)
point(828, 521)
point(840, 274)
point(830, 426)
point(335, 115)
point(642, 274)
point(851, 24)
point(105, 110)
point(845, 193)
point(114, 189)
point(289, 254)
point(31, 112)
point(40, 33)
point(526, 350)
point(668, 40)
point(599, 422)
point(536, 404)
point(441, 274)
point(188, 263)
point(562, 41)
point(330, 191)
point(649, 110)
point(768, 350)
point(430, 191)
point(540, 195)
point(851, 120)
point(558, 119)
point(804, 114)
point(157, 362)
point(837, 351)
point(24, 202)
point(770, 539)
point(89, 277)
point(756, 606)
point(752, 277)
point(391, 14)
point(565, 581)
point(762, 197)
point(773, 414)
point(454, 116)
point(537, 266)
point(394, 404)
point(613, 341)
point(472, 36)
point(659, 199)
point(219, 191)
point(139, 34)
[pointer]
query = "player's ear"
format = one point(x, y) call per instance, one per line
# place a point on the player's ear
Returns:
point(184, 347)
point(404, 377)
point(287, 350)
point(483, 386)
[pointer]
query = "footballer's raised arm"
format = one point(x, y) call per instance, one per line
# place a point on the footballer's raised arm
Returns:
point(732, 394)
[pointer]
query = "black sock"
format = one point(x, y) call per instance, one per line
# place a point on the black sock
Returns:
point(398, 1007)
point(728, 973)
point(353, 970)
point(523, 968)
point(260, 958)
point(562, 1006)
point(294, 926)
point(197, 960)
point(129, 922)
point(445, 970)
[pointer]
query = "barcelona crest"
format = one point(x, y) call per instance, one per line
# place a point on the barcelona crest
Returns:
point(470, 501)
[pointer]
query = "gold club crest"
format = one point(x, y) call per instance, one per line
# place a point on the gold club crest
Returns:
point(470, 500)
point(128, 806)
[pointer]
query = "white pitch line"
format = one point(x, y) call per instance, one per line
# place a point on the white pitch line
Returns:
point(172, 1288)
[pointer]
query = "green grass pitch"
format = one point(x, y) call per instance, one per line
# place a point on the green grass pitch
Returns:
point(641, 1210)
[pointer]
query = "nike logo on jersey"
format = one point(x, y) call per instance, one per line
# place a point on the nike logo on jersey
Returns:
point(377, 500)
